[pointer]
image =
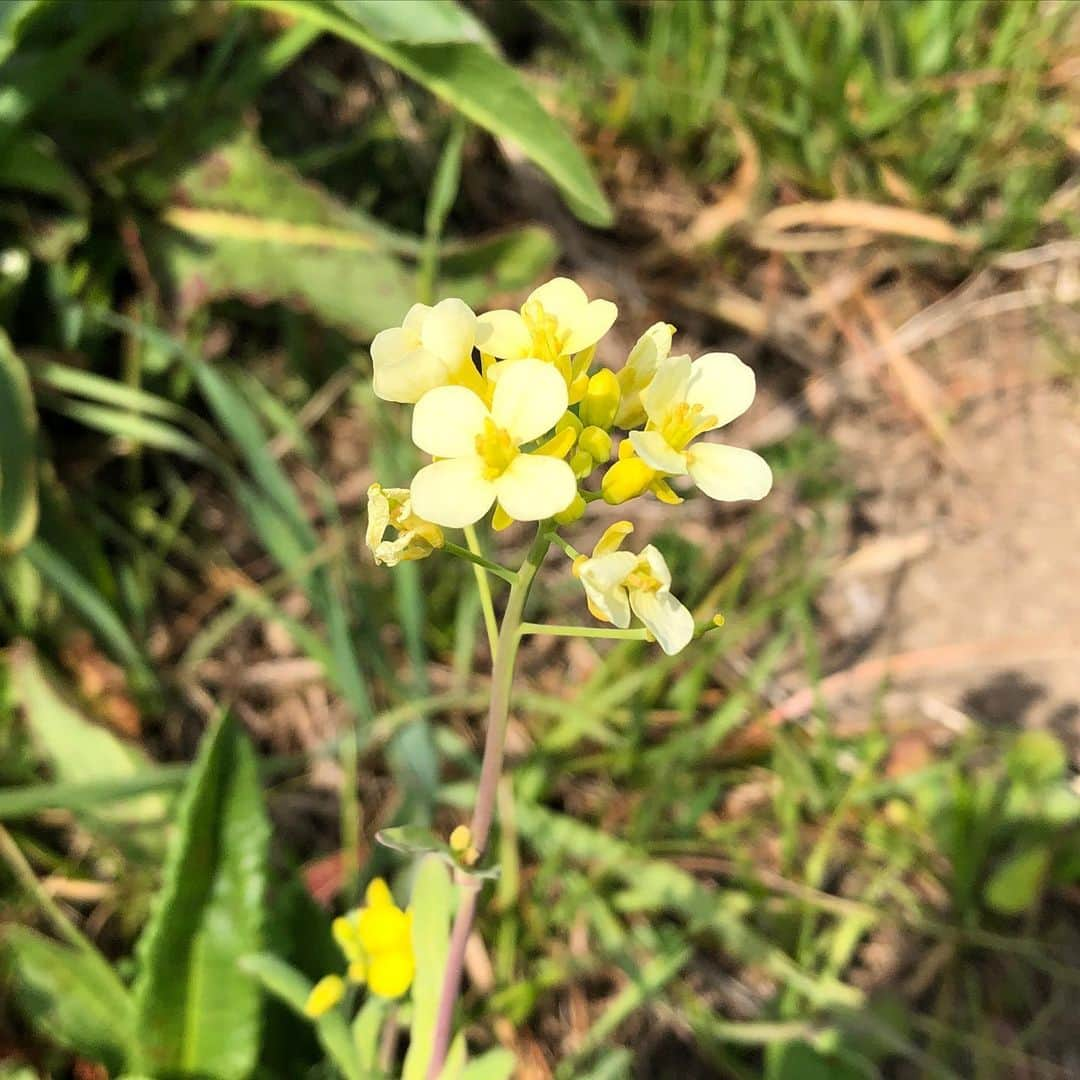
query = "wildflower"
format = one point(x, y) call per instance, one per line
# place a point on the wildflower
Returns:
point(600, 404)
point(432, 347)
point(325, 994)
point(652, 347)
point(484, 461)
point(377, 943)
point(683, 401)
point(556, 322)
point(392, 507)
point(617, 582)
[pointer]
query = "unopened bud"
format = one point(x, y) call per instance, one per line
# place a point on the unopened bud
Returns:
point(601, 400)
point(460, 839)
point(574, 512)
point(595, 442)
point(582, 464)
point(625, 480)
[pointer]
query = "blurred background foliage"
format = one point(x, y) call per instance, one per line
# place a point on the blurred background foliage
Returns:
point(207, 209)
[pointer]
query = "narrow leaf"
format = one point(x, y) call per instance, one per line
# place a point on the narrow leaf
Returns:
point(18, 453)
point(196, 1010)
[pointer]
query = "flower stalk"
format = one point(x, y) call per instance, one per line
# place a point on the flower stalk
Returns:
point(483, 816)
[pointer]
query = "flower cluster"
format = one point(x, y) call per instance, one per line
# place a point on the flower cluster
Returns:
point(376, 941)
point(514, 417)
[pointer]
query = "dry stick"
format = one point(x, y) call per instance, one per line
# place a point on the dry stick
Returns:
point(502, 678)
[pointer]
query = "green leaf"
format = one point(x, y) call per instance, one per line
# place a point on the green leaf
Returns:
point(504, 262)
point(366, 1029)
point(30, 162)
point(1018, 882)
point(480, 86)
point(77, 750)
point(1036, 759)
point(417, 22)
point(288, 985)
point(13, 13)
point(85, 598)
point(247, 226)
point(496, 1064)
point(197, 1013)
point(69, 995)
point(18, 453)
point(432, 903)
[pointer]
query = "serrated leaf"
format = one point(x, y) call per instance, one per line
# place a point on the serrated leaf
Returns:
point(290, 986)
point(197, 1013)
point(77, 750)
point(71, 996)
point(18, 453)
point(483, 88)
point(432, 904)
point(1018, 882)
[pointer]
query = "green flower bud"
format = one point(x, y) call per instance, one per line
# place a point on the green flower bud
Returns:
point(582, 464)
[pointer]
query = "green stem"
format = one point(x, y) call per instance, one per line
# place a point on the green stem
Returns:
point(484, 588)
point(638, 633)
point(479, 561)
point(568, 549)
point(502, 678)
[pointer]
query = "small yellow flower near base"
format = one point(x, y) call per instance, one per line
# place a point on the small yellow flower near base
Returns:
point(392, 508)
point(325, 994)
point(482, 460)
point(620, 582)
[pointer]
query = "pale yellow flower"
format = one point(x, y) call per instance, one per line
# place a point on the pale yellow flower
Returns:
point(645, 357)
point(484, 461)
point(556, 323)
point(432, 347)
point(686, 399)
point(377, 943)
point(620, 582)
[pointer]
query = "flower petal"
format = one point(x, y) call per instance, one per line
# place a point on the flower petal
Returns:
point(530, 397)
point(590, 325)
point(503, 333)
point(450, 331)
point(722, 384)
point(668, 386)
point(453, 493)
point(727, 472)
point(403, 370)
point(612, 538)
point(668, 620)
point(658, 566)
point(390, 973)
point(603, 577)
point(535, 487)
point(447, 420)
point(414, 318)
point(561, 298)
point(654, 450)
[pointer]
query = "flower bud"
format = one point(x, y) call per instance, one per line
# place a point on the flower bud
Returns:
point(601, 401)
point(582, 464)
point(574, 512)
point(596, 442)
point(625, 480)
point(569, 421)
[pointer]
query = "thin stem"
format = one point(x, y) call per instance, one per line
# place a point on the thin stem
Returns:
point(638, 633)
point(502, 678)
point(479, 561)
point(568, 549)
point(482, 584)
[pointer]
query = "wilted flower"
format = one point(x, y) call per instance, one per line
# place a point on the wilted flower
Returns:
point(683, 401)
point(377, 943)
point(482, 449)
point(618, 582)
point(392, 508)
point(432, 347)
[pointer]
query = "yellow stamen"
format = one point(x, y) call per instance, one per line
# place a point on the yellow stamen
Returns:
point(685, 422)
point(496, 448)
point(547, 339)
